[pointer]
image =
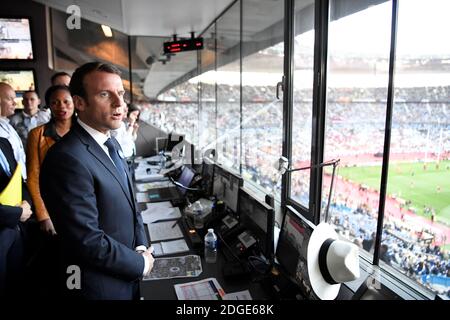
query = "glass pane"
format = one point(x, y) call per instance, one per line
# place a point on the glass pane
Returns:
point(359, 45)
point(302, 102)
point(207, 85)
point(228, 84)
point(416, 233)
point(262, 112)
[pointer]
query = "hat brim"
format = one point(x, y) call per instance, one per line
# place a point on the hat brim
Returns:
point(321, 287)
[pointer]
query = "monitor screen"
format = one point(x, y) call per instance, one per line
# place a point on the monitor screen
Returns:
point(161, 144)
point(226, 187)
point(259, 218)
point(19, 80)
point(185, 178)
point(15, 39)
point(292, 250)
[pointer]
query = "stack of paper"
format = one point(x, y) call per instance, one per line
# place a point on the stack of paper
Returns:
point(164, 231)
point(169, 247)
point(160, 211)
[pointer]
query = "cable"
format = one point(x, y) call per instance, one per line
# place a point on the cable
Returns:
point(182, 186)
point(229, 248)
point(259, 259)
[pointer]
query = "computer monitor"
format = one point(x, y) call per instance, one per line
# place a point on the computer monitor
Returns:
point(185, 179)
point(226, 187)
point(207, 176)
point(291, 253)
point(259, 218)
point(15, 39)
point(161, 144)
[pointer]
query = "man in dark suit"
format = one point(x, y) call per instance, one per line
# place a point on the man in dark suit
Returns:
point(86, 187)
point(12, 248)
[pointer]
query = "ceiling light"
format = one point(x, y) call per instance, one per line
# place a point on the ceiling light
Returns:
point(107, 31)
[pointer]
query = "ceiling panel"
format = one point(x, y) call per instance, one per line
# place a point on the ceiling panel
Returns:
point(147, 17)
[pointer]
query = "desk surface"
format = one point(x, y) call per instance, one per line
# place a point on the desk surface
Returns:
point(164, 289)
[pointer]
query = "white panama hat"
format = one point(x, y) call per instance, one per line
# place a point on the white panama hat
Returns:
point(330, 262)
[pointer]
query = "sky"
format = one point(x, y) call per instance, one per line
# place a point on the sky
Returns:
point(423, 31)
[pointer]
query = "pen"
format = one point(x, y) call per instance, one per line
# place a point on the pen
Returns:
point(173, 226)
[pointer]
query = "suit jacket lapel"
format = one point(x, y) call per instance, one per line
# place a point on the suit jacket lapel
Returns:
point(94, 149)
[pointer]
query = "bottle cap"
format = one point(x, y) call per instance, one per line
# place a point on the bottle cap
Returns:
point(210, 230)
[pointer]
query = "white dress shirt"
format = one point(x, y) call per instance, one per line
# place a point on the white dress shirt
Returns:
point(8, 132)
point(125, 140)
point(101, 138)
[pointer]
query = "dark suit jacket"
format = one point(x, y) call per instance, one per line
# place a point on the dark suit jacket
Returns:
point(9, 216)
point(95, 217)
point(12, 231)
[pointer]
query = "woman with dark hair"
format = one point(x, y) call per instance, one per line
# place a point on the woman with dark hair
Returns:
point(132, 121)
point(40, 139)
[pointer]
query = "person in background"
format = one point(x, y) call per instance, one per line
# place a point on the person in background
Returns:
point(60, 79)
point(7, 108)
point(126, 134)
point(86, 187)
point(132, 120)
point(12, 229)
point(30, 117)
point(40, 140)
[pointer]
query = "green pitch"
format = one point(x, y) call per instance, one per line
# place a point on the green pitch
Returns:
point(422, 184)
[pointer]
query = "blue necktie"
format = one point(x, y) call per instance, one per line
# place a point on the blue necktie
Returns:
point(5, 164)
point(113, 153)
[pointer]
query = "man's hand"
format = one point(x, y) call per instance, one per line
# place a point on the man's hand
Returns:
point(47, 227)
point(26, 211)
point(150, 259)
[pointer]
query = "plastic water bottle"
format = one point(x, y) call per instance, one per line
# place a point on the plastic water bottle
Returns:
point(210, 246)
point(197, 212)
point(162, 159)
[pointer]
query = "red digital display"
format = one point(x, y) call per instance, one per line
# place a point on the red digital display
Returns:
point(183, 45)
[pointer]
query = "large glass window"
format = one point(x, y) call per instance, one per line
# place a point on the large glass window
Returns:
point(262, 113)
point(228, 88)
point(207, 85)
point(416, 228)
point(302, 99)
point(357, 80)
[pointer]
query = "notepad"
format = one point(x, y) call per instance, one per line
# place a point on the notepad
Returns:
point(164, 230)
point(158, 213)
point(169, 247)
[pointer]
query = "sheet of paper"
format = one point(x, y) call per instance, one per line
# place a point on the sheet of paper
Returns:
point(206, 289)
point(142, 187)
point(164, 230)
point(142, 175)
point(141, 197)
point(151, 215)
point(162, 204)
point(157, 249)
point(240, 295)
point(174, 246)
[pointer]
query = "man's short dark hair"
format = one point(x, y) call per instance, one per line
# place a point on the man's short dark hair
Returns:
point(30, 91)
point(76, 83)
point(58, 74)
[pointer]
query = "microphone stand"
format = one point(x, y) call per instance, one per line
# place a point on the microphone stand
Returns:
point(334, 163)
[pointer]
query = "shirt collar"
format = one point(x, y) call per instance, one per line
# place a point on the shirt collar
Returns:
point(99, 137)
point(26, 115)
point(4, 119)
